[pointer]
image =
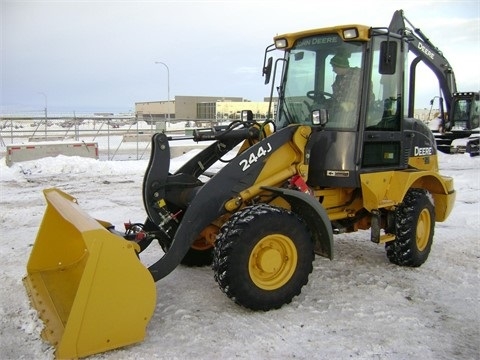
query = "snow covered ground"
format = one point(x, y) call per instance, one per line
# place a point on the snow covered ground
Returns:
point(356, 306)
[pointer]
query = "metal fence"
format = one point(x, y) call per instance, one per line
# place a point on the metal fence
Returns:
point(118, 138)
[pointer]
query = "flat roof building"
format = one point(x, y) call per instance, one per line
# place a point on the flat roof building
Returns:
point(186, 108)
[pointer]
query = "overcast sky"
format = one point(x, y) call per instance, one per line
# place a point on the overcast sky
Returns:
point(100, 55)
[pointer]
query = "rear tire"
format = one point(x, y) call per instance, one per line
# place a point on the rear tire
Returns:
point(414, 228)
point(263, 257)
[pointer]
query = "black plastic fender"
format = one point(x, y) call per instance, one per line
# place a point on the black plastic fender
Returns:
point(313, 213)
point(209, 202)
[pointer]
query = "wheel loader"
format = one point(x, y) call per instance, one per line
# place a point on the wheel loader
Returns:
point(325, 162)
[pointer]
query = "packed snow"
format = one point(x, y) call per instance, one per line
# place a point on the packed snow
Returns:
point(358, 305)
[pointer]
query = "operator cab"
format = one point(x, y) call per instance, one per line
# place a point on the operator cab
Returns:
point(325, 72)
point(465, 113)
point(349, 81)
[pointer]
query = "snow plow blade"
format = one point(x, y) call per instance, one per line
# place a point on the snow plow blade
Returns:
point(87, 284)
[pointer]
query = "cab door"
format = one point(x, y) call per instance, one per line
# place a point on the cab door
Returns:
point(382, 145)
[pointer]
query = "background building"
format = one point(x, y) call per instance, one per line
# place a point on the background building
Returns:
point(198, 108)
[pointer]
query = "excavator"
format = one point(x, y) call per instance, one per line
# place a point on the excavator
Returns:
point(331, 158)
point(459, 110)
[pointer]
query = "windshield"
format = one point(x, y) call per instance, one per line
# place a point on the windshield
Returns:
point(322, 72)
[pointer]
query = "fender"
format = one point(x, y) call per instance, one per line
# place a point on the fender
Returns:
point(393, 185)
point(209, 202)
point(313, 213)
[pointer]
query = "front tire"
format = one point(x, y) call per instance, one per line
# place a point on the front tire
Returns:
point(414, 228)
point(263, 257)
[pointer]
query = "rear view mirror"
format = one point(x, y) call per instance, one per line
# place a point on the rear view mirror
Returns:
point(299, 56)
point(246, 115)
point(267, 70)
point(388, 57)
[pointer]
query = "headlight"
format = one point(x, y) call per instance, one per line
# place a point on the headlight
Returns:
point(350, 33)
point(319, 117)
point(281, 43)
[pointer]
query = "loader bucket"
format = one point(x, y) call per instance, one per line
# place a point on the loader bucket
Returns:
point(87, 284)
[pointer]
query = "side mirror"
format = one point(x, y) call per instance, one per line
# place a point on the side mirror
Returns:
point(267, 70)
point(319, 117)
point(299, 56)
point(247, 115)
point(388, 57)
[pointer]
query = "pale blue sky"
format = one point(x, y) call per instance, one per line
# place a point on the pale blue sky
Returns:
point(100, 55)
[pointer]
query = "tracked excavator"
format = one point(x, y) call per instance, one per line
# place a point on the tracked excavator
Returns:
point(326, 162)
point(459, 116)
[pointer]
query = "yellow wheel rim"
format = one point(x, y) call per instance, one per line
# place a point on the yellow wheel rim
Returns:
point(272, 262)
point(423, 229)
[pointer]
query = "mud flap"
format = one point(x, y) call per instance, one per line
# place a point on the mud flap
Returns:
point(87, 284)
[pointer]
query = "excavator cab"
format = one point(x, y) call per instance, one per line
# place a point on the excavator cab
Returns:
point(465, 112)
point(461, 129)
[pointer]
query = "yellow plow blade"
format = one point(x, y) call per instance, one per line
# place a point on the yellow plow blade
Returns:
point(87, 284)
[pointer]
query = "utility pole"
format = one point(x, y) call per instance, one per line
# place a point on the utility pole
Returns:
point(168, 88)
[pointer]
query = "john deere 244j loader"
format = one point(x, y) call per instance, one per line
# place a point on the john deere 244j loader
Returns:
point(327, 162)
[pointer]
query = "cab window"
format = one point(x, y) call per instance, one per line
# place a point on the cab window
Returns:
point(384, 108)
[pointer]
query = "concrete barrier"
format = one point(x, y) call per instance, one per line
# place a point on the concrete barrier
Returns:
point(179, 150)
point(43, 138)
point(137, 137)
point(21, 152)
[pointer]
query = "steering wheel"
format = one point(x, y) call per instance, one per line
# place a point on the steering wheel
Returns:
point(319, 98)
point(317, 95)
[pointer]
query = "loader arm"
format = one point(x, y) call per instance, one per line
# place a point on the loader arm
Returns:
point(209, 201)
point(157, 178)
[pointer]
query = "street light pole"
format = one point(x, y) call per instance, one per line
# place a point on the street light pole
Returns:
point(168, 87)
point(46, 116)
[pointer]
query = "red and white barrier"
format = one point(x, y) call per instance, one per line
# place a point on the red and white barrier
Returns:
point(21, 152)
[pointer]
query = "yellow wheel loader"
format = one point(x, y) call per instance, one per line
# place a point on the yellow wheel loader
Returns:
point(337, 156)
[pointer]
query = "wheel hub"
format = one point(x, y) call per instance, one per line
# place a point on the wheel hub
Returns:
point(423, 229)
point(272, 261)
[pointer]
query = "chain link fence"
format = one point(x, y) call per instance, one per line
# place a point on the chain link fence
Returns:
point(118, 138)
